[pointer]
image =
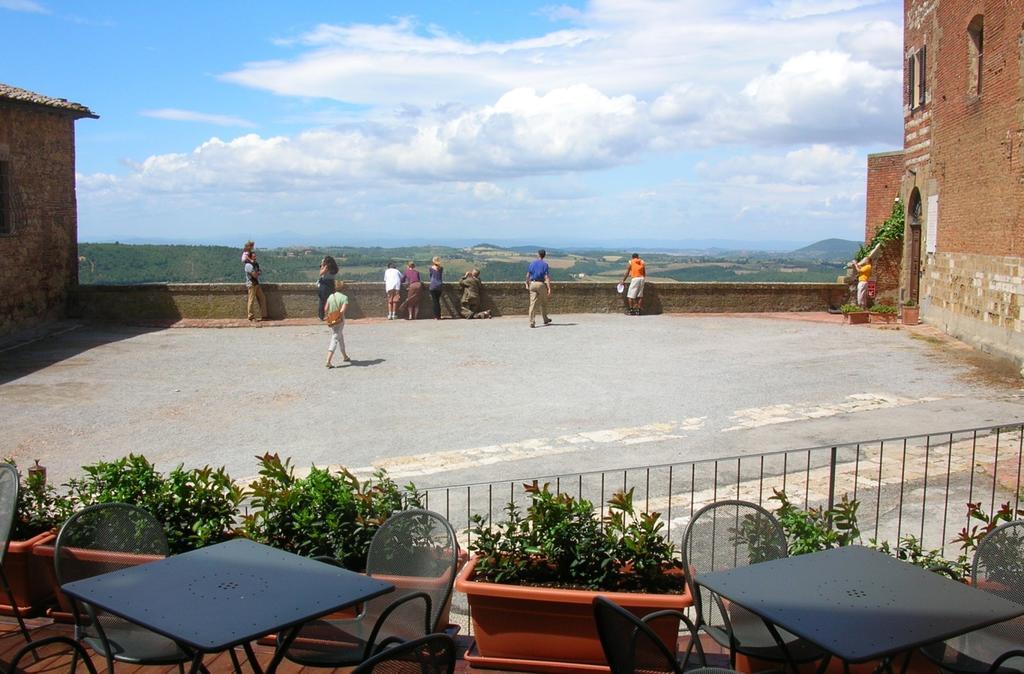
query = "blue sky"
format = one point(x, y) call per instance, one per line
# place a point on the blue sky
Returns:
point(590, 122)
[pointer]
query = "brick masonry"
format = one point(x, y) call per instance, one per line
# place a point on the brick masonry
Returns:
point(159, 301)
point(40, 255)
point(885, 175)
point(965, 145)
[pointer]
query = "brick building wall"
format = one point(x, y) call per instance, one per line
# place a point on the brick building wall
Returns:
point(964, 160)
point(39, 253)
point(885, 175)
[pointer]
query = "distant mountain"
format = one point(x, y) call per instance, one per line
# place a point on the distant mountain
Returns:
point(828, 249)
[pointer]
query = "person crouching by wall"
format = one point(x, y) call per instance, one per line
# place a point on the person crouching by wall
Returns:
point(334, 311)
point(325, 284)
point(471, 287)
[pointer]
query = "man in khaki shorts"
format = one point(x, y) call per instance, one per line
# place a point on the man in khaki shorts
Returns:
point(636, 272)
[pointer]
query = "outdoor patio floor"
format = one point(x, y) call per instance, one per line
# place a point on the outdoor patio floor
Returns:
point(220, 663)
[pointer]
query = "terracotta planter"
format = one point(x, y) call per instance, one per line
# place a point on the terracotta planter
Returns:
point(911, 315)
point(27, 575)
point(64, 612)
point(882, 318)
point(856, 317)
point(545, 629)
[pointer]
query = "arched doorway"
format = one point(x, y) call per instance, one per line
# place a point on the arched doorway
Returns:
point(914, 222)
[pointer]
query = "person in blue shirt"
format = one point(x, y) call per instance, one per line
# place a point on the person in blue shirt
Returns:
point(538, 275)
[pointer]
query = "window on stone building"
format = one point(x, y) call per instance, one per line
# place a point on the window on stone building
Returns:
point(6, 209)
point(916, 83)
point(975, 54)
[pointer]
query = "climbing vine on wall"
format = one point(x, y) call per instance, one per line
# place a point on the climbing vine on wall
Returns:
point(891, 230)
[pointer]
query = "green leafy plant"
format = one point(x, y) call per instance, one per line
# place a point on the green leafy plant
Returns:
point(910, 304)
point(561, 541)
point(909, 549)
point(851, 308)
point(814, 529)
point(40, 507)
point(891, 230)
point(883, 309)
point(324, 513)
point(197, 506)
point(969, 537)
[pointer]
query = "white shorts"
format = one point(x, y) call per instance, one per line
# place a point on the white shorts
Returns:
point(636, 288)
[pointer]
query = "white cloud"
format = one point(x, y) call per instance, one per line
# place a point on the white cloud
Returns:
point(177, 115)
point(817, 165)
point(798, 9)
point(23, 6)
point(449, 129)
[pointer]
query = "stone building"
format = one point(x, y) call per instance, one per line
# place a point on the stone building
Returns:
point(963, 169)
point(38, 209)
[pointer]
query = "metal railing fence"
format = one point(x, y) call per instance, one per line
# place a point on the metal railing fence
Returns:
point(916, 485)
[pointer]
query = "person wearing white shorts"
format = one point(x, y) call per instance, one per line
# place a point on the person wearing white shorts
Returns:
point(636, 272)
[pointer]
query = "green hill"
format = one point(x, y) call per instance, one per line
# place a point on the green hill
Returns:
point(831, 250)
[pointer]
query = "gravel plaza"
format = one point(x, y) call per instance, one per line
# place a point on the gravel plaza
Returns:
point(449, 402)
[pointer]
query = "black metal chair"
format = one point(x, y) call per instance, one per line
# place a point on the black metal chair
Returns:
point(109, 537)
point(43, 650)
point(8, 511)
point(632, 645)
point(432, 654)
point(998, 568)
point(418, 552)
point(728, 535)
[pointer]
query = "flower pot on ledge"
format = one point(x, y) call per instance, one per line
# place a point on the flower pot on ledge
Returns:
point(28, 577)
point(64, 611)
point(856, 317)
point(911, 315)
point(882, 318)
point(542, 629)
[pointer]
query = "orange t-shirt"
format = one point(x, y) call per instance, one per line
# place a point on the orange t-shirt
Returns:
point(637, 268)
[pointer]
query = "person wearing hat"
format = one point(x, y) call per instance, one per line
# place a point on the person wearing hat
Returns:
point(636, 272)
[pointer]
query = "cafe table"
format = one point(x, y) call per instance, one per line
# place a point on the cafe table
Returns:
point(859, 604)
point(225, 595)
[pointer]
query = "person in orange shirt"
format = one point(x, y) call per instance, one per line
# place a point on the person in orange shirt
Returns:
point(636, 272)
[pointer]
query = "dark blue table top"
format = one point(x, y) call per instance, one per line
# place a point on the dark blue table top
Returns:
point(226, 594)
point(859, 604)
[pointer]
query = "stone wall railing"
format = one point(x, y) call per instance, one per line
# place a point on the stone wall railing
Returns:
point(169, 301)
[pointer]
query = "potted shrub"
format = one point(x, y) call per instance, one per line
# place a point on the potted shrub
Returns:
point(532, 579)
point(40, 510)
point(854, 314)
point(197, 506)
point(883, 313)
point(911, 313)
point(324, 513)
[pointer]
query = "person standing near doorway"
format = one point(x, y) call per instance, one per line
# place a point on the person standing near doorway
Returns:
point(392, 289)
point(863, 268)
point(538, 276)
point(252, 285)
point(636, 272)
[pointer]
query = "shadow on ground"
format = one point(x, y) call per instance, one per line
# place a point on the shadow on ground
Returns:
point(24, 354)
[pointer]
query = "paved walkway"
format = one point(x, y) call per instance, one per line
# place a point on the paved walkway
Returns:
point(454, 401)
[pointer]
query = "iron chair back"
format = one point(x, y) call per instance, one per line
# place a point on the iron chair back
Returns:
point(432, 654)
point(728, 535)
point(109, 537)
point(8, 511)
point(417, 551)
